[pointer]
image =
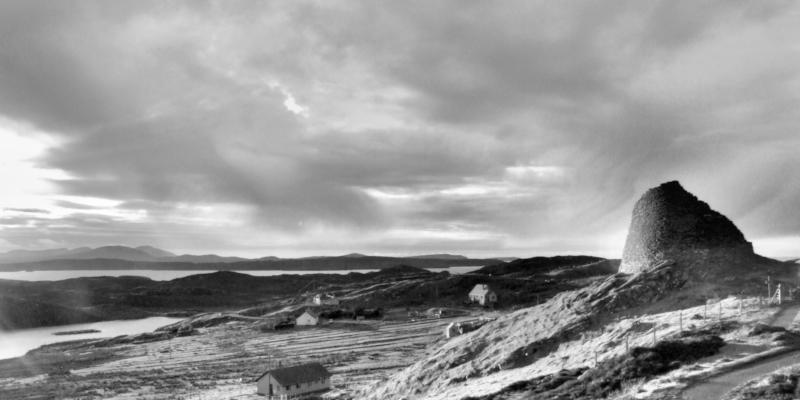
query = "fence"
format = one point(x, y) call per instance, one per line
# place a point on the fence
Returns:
point(649, 329)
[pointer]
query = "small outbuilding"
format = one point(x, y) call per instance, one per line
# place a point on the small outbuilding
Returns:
point(308, 318)
point(288, 382)
point(326, 300)
point(482, 295)
point(452, 330)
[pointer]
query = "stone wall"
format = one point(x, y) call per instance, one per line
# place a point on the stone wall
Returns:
point(669, 223)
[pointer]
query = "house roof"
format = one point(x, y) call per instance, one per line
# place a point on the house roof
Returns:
point(480, 290)
point(324, 296)
point(311, 313)
point(298, 374)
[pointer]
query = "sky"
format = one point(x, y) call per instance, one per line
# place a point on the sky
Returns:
point(300, 128)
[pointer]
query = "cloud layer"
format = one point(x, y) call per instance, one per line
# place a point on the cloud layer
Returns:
point(301, 128)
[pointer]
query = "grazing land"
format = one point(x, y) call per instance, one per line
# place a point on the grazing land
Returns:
point(210, 363)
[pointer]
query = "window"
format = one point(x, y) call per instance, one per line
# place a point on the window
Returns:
point(288, 387)
point(298, 386)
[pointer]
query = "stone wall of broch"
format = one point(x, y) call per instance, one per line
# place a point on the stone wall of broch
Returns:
point(669, 223)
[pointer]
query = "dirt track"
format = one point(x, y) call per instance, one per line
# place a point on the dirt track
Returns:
point(717, 387)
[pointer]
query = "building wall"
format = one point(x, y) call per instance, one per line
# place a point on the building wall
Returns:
point(306, 319)
point(278, 389)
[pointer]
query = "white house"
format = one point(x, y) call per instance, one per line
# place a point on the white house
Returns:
point(483, 295)
point(326, 299)
point(284, 383)
point(452, 330)
point(308, 318)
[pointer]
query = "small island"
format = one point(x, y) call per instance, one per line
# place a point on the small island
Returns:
point(76, 332)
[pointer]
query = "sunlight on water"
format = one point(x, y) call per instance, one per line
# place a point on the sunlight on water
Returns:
point(169, 275)
point(19, 342)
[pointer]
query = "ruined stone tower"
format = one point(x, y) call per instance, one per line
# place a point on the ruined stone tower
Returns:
point(670, 223)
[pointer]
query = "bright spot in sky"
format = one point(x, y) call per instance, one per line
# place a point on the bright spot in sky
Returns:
point(290, 102)
point(22, 182)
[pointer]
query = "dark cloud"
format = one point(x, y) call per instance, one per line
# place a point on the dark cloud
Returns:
point(416, 118)
point(28, 210)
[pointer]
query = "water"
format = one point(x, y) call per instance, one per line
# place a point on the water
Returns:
point(17, 343)
point(169, 275)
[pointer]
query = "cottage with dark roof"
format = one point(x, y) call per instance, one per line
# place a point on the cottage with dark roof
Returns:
point(284, 383)
point(483, 295)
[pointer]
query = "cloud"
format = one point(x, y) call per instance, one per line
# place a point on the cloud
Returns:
point(28, 210)
point(510, 128)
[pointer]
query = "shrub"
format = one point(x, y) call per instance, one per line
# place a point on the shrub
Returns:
point(760, 329)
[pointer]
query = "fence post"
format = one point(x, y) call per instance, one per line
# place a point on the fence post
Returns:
point(626, 344)
point(769, 287)
point(740, 307)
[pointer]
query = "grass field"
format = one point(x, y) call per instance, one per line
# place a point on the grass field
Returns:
point(209, 365)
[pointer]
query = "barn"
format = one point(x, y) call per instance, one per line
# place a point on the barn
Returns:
point(288, 382)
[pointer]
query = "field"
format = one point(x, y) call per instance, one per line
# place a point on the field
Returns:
point(210, 365)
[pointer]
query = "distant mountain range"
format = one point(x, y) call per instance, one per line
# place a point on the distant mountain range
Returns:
point(148, 257)
point(141, 253)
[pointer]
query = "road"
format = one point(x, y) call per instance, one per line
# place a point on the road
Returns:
point(716, 387)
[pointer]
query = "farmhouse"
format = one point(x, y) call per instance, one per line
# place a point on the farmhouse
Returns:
point(326, 299)
point(482, 294)
point(308, 318)
point(285, 383)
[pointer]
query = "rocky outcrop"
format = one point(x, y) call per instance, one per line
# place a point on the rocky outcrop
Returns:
point(679, 252)
point(671, 224)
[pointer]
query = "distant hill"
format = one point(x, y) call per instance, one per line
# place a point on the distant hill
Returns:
point(305, 264)
point(115, 252)
point(208, 258)
point(36, 255)
point(441, 257)
point(538, 265)
point(156, 252)
point(141, 253)
point(353, 255)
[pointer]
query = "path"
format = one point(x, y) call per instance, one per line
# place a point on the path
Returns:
point(718, 386)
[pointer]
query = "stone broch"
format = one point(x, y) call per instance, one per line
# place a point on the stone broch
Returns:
point(669, 223)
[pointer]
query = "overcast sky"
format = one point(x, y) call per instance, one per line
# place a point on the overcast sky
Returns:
point(296, 128)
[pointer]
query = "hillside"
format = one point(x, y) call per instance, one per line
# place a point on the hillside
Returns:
point(523, 343)
point(395, 286)
point(548, 265)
